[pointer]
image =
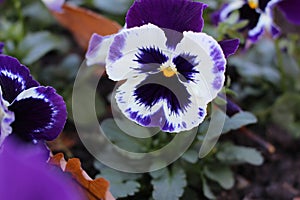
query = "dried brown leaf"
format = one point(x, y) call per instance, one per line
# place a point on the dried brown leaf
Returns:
point(94, 189)
point(82, 23)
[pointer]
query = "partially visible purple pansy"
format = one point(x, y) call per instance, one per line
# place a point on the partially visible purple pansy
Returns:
point(55, 5)
point(172, 69)
point(290, 8)
point(257, 12)
point(28, 110)
point(25, 175)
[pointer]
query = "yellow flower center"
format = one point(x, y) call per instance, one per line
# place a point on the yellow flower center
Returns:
point(169, 71)
point(253, 4)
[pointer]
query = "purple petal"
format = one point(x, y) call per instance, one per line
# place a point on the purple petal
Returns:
point(211, 63)
point(125, 55)
point(156, 88)
point(275, 31)
point(14, 78)
point(1, 47)
point(231, 107)
point(160, 102)
point(216, 16)
point(55, 5)
point(255, 34)
point(290, 8)
point(148, 55)
point(223, 13)
point(98, 49)
point(40, 113)
point(178, 15)
point(23, 169)
point(186, 66)
point(38, 148)
point(229, 47)
point(150, 59)
point(247, 13)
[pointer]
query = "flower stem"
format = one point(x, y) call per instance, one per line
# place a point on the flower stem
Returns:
point(280, 65)
point(18, 8)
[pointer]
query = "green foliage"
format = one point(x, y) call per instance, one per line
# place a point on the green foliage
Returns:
point(221, 174)
point(238, 120)
point(233, 154)
point(168, 184)
point(121, 184)
point(123, 140)
point(282, 112)
point(265, 81)
point(206, 190)
point(35, 45)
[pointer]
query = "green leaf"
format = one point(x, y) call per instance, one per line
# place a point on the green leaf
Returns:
point(252, 68)
point(239, 154)
point(13, 31)
point(238, 120)
point(38, 9)
point(36, 45)
point(222, 174)
point(190, 156)
point(124, 140)
point(168, 185)
point(85, 117)
point(206, 190)
point(190, 194)
point(121, 184)
point(214, 131)
point(286, 113)
point(240, 25)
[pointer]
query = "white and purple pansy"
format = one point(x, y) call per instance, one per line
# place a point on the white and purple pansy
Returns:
point(257, 12)
point(28, 110)
point(171, 69)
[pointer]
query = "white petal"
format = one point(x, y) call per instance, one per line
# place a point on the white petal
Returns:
point(211, 64)
point(6, 118)
point(187, 118)
point(126, 44)
point(54, 5)
point(235, 5)
point(129, 106)
point(98, 49)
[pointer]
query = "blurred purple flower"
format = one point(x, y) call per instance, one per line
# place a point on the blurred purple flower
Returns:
point(290, 8)
point(28, 110)
point(55, 5)
point(173, 70)
point(257, 12)
point(25, 175)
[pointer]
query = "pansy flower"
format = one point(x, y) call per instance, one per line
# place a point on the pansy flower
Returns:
point(28, 177)
point(257, 12)
point(28, 110)
point(171, 69)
